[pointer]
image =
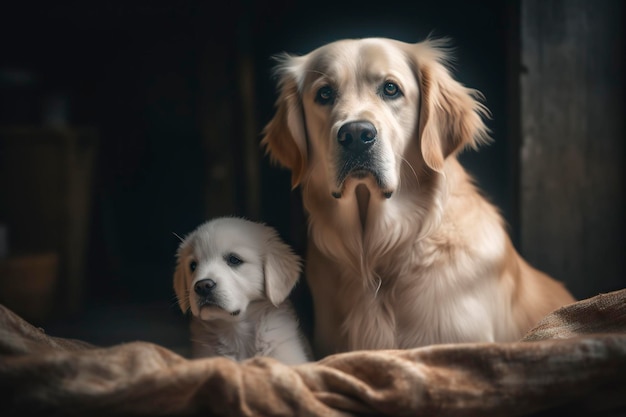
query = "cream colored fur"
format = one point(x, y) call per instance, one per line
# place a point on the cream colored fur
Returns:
point(403, 251)
point(247, 312)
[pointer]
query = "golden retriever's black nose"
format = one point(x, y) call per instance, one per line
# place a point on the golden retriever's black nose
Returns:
point(357, 136)
point(204, 287)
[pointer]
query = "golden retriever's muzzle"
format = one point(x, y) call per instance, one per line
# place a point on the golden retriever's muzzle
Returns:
point(357, 153)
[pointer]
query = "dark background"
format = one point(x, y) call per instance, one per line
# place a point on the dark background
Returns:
point(160, 83)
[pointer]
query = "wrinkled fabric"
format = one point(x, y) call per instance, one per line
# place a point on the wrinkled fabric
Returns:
point(572, 363)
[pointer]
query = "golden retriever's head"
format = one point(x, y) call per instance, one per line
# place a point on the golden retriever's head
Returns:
point(228, 262)
point(361, 111)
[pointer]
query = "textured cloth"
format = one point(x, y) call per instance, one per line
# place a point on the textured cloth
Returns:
point(572, 363)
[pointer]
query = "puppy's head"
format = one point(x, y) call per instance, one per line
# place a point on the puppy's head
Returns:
point(227, 263)
point(362, 111)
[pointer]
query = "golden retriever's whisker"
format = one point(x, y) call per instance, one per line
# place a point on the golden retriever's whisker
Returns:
point(380, 283)
point(372, 281)
point(405, 161)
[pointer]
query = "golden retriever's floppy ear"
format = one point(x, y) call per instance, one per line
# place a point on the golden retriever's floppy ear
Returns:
point(451, 115)
point(281, 269)
point(180, 282)
point(284, 137)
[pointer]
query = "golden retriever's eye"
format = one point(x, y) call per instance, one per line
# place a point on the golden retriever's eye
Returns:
point(325, 95)
point(193, 265)
point(391, 90)
point(233, 260)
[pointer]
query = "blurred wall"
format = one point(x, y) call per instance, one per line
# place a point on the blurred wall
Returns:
point(572, 150)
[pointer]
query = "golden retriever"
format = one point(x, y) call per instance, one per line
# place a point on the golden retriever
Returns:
point(235, 275)
point(403, 250)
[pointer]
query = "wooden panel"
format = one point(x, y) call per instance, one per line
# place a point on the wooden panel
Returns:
point(46, 198)
point(572, 151)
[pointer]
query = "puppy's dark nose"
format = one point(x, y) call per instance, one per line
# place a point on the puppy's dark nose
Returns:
point(357, 136)
point(204, 287)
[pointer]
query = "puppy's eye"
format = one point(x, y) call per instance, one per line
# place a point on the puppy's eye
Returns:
point(233, 260)
point(325, 95)
point(193, 265)
point(391, 90)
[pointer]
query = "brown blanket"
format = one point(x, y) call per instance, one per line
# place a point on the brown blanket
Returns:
point(572, 363)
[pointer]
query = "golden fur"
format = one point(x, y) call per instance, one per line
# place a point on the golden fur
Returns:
point(403, 250)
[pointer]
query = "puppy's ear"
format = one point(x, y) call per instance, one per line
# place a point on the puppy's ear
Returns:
point(284, 137)
point(281, 269)
point(451, 115)
point(181, 288)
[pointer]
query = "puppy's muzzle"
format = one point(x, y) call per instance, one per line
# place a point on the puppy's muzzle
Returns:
point(204, 287)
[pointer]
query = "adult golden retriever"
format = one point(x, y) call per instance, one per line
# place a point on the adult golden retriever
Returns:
point(403, 250)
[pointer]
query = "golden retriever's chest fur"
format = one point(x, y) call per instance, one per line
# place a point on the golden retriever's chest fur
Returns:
point(417, 288)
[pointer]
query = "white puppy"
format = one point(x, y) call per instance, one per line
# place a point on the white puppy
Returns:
point(235, 275)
